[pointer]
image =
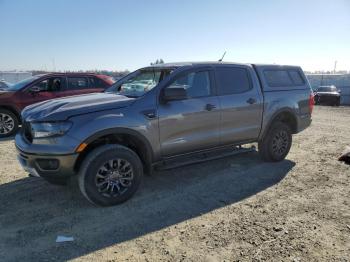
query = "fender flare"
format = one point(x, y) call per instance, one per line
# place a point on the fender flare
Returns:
point(275, 116)
point(124, 131)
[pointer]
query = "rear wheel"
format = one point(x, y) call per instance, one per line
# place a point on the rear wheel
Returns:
point(8, 123)
point(276, 144)
point(110, 175)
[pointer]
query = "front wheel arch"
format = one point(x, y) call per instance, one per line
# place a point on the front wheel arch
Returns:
point(121, 136)
point(13, 111)
point(15, 119)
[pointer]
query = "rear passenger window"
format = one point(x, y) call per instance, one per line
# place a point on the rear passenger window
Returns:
point(278, 78)
point(97, 83)
point(283, 78)
point(232, 80)
point(296, 77)
point(77, 83)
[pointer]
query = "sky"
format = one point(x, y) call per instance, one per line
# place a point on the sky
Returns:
point(125, 35)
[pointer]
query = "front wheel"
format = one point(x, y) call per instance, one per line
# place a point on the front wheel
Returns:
point(110, 175)
point(276, 144)
point(8, 123)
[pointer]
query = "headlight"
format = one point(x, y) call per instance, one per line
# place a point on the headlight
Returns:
point(50, 129)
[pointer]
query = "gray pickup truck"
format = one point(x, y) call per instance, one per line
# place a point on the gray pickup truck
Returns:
point(161, 116)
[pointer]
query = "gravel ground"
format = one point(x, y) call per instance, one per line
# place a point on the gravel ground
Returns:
point(233, 209)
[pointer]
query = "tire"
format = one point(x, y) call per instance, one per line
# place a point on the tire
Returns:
point(6, 118)
point(276, 144)
point(99, 178)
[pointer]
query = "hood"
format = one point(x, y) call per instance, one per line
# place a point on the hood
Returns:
point(63, 108)
point(5, 93)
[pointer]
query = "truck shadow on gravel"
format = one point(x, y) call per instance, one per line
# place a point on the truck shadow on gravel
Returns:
point(10, 138)
point(33, 212)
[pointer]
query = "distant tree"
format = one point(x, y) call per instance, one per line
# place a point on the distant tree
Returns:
point(158, 61)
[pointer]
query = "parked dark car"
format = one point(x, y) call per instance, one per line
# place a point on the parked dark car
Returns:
point(327, 95)
point(160, 117)
point(44, 87)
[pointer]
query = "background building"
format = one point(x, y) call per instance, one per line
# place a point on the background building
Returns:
point(13, 77)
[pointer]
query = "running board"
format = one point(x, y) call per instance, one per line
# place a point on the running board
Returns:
point(201, 157)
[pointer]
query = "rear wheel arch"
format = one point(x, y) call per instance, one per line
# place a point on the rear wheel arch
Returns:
point(122, 136)
point(285, 116)
point(276, 144)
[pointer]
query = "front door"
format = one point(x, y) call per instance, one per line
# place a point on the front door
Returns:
point(191, 124)
point(42, 90)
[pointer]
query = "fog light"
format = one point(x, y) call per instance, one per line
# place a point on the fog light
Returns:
point(48, 164)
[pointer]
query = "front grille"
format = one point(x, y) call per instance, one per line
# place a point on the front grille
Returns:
point(27, 131)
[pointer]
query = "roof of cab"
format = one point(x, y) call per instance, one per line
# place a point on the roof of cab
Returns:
point(205, 63)
point(71, 74)
point(211, 63)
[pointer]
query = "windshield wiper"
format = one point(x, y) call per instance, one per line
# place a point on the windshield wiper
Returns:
point(130, 96)
point(127, 95)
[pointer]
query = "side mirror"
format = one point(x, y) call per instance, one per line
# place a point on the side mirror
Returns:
point(339, 91)
point(34, 89)
point(174, 93)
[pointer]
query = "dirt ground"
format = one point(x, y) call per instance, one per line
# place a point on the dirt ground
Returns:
point(233, 209)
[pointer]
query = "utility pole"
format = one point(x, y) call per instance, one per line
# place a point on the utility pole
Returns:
point(335, 66)
point(53, 65)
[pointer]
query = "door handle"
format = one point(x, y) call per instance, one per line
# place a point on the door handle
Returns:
point(251, 101)
point(209, 107)
point(150, 113)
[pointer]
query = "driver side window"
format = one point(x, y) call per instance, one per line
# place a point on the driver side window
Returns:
point(196, 84)
point(42, 86)
point(49, 85)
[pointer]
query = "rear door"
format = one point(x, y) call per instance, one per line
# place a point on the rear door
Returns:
point(191, 124)
point(97, 85)
point(241, 103)
point(77, 85)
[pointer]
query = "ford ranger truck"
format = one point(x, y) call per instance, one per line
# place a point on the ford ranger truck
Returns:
point(158, 115)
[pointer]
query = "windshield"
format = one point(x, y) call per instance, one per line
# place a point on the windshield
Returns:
point(139, 82)
point(19, 85)
point(327, 89)
point(4, 85)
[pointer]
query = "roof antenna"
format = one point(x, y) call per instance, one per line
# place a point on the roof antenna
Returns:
point(220, 60)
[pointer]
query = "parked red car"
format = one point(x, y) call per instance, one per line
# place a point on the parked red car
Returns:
point(44, 87)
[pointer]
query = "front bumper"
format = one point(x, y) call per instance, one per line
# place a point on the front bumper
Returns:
point(48, 165)
point(39, 165)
